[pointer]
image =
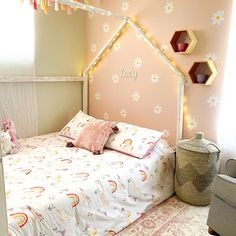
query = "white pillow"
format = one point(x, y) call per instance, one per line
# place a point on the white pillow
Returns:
point(133, 140)
point(74, 127)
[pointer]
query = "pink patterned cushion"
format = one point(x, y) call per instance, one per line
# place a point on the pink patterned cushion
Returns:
point(133, 140)
point(75, 126)
point(95, 134)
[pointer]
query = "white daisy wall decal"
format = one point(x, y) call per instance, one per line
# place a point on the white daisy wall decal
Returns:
point(124, 6)
point(123, 113)
point(90, 15)
point(217, 18)
point(155, 78)
point(115, 78)
point(187, 83)
point(106, 27)
point(166, 133)
point(98, 96)
point(157, 109)
point(116, 46)
point(135, 96)
point(192, 123)
point(93, 47)
point(138, 62)
point(213, 101)
point(210, 56)
point(91, 80)
point(169, 7)
point(106, 116)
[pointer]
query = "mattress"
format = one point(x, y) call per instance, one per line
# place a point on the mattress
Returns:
point(54, 190)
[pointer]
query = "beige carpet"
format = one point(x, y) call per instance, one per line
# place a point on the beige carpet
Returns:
point(171, 218)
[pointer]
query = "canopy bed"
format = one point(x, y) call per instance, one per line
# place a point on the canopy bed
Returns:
point(140, 184)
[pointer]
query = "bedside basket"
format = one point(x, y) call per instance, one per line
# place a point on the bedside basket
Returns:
point(197, 163)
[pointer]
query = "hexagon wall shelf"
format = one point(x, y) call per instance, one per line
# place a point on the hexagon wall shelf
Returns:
point(203, 72)
point(183, 41)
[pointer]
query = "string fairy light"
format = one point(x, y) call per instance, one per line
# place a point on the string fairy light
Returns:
point(127, 21)
point(104, 51)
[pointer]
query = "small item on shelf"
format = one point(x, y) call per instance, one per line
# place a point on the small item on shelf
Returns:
point(183, 41)
point(202, 78)
point(182, 47)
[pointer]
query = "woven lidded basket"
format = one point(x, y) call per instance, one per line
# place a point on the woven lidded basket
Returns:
point(196, 166)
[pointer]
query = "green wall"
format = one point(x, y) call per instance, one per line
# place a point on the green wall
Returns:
point(59, 51)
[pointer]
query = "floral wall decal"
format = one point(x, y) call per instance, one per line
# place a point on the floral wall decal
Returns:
point(90, 15)
point(166, 133)
point(106, 116)
point(135, 96)
point(169, 7)
point(97, 96)
point(157, 109)
point(93, 47)
point(155, 78)
point(217, 18)
point(123, 113)
point(213, 101)
point(125, 6)
point(192, 124)
point(210, 56)
point(115, 78)
point(106, 27)
point(138, 62)
point(116, 46)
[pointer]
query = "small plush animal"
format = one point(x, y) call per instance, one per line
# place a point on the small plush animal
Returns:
point(8, 125)
point(7, 146)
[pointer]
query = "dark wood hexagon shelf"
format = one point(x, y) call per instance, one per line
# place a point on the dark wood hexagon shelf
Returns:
point(183, 41)
point(203, 72)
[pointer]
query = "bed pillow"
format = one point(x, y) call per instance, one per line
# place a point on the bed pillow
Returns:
point(95, 134)
point(133, 140)
point(74, 127)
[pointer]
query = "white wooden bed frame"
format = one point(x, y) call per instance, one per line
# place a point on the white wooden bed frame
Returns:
point(127, 21)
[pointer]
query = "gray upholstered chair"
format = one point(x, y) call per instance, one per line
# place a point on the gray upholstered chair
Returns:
point(222, 213)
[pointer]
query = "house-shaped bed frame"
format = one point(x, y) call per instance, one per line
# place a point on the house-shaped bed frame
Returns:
point(127, 22)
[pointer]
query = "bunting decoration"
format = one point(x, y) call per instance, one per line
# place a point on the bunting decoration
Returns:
point(44, 5)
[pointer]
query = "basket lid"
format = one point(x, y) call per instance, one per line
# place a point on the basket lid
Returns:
point(198, 144)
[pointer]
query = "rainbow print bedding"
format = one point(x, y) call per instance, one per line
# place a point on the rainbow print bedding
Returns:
point(54, 190)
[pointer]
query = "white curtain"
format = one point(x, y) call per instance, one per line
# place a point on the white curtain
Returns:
point(227, 120)
point(17, 100)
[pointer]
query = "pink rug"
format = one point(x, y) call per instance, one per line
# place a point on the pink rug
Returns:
point(171, 218)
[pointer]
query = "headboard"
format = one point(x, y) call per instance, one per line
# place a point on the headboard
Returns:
point(114, 85)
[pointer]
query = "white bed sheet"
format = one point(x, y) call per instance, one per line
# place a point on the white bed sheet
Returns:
point(54, 190)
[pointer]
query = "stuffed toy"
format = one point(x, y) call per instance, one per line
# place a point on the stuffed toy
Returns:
point(9, 126)
point(7, 146)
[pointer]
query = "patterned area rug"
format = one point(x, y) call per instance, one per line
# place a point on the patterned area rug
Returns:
point(171, 218)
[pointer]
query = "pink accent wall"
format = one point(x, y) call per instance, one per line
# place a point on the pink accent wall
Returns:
point(150, 100)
